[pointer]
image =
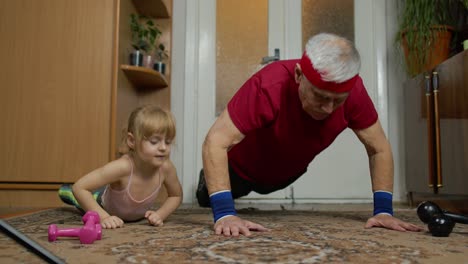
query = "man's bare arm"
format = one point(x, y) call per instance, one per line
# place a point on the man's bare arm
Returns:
point(380, 156)
point(221, 137)
point(381, 170)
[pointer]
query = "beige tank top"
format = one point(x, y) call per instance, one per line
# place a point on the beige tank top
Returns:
point(121, 203)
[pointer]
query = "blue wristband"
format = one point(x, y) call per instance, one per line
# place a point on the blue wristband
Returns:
point(222, 204)
point(383, 203)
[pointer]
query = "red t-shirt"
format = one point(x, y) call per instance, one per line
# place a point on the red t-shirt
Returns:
point(281, 139)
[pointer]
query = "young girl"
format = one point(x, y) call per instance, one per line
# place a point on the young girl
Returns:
point(133, 181)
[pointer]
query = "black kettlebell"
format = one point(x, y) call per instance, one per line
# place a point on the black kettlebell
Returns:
point(440, 223)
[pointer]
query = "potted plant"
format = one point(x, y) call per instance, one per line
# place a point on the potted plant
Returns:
point(425, 32)
point(144, 36)
point(161, 55)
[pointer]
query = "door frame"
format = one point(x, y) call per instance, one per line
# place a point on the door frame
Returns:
point(190, 104)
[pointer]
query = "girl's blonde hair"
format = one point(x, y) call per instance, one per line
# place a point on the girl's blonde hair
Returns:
point(145, 121)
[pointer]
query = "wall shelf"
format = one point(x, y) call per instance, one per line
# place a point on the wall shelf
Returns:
point(143, 77)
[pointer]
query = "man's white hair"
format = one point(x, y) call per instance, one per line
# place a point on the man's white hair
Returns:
point(334, 57)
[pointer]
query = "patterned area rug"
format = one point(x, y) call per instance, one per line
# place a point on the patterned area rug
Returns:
point(187, 237)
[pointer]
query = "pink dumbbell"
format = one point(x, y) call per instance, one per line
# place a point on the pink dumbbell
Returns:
point(90, 232)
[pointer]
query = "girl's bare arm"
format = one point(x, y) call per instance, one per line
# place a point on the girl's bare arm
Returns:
point(109, 173)
point(174, 191)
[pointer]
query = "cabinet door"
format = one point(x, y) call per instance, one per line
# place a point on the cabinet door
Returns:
point(416, 136)
point(55, 75)
point(453, 112)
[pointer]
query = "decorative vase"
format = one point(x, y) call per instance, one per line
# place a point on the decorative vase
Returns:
point(148, 61)
point(136, 58)
point(160, 67)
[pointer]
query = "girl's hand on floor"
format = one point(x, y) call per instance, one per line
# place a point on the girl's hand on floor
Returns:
point(154, 218)
point(111, 222)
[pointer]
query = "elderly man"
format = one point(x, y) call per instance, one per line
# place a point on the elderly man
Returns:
point(280, 119)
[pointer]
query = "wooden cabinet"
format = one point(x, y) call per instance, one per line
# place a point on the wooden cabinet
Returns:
point(64, 97)
point(451, 78)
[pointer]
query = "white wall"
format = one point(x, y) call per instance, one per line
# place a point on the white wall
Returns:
point(396, 108)
point(183, 62)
